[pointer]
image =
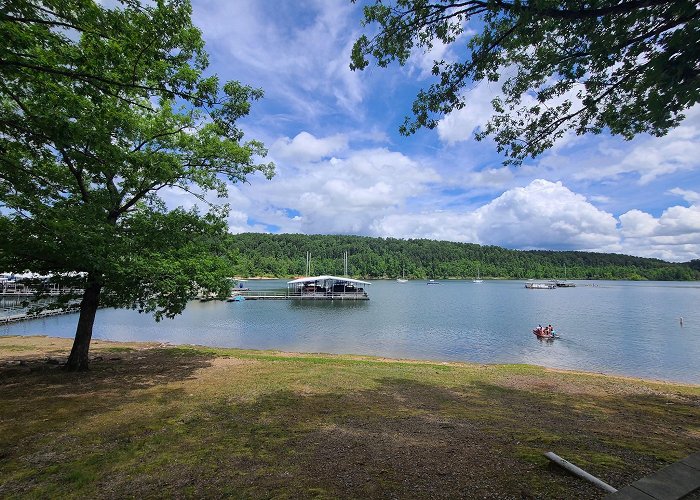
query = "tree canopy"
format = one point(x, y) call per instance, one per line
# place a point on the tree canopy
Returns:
point(626, 66)
point(102, 111)
point(283, 256)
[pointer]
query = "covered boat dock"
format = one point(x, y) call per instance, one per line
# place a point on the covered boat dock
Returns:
point(327, 288)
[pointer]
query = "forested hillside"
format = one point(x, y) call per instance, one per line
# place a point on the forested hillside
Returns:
point(284, 255)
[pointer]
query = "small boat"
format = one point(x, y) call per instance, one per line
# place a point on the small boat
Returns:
point(402, 279)
point(478, 277)
point(540, 334)
point(432, 282)
point(564, 284)
point(236, 298)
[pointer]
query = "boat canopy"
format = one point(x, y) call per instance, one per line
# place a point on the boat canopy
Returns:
point(312, 279)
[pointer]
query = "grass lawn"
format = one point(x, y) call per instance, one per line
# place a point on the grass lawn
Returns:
point(160, 421)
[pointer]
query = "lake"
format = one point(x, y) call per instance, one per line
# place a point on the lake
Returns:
point(614, 327)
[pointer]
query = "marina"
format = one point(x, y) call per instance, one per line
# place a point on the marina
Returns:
point(31, 284)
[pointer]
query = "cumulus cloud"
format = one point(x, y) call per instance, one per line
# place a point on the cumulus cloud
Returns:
point(307, 148)
point(546, 214)
point(674, 235)
point(542, 214)
point(341, 194)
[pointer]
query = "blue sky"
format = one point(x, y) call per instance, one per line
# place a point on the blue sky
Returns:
point(343, 168)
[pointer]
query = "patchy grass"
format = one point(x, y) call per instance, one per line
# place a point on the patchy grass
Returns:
point(153, 420)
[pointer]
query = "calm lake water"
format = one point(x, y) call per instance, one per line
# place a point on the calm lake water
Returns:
point(629, 328)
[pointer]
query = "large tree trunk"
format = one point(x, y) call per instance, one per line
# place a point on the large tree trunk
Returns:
point(78, 359)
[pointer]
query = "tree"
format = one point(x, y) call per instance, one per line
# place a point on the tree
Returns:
point(628, 66)
point(102, 110)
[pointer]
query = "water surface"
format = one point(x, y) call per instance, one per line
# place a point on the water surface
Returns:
point(629, 328)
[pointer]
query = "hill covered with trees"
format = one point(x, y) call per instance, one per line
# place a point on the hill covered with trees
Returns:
point(284, 255)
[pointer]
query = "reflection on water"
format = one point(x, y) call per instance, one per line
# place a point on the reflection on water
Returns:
point(612, 327)
point(332, 305)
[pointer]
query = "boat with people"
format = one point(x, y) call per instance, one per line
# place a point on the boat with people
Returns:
point(545, 332)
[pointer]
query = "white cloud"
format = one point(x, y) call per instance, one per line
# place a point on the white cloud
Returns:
point(307, 148)
point(298, 52)
point(439, 225)
point(343, 194)
point(490, 177)
point(460, 124)
point(674, 235)
point(238, 223)
point(689, 196)
point(546, 214)
point(543, 214)
point(650, 157)
point(636, 223)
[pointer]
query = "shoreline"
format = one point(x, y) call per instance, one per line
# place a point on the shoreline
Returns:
point(348, 356)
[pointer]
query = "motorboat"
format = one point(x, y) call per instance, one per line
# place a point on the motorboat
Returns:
point(541, 333)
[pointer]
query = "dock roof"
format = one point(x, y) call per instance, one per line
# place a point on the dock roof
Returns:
point(312, 279)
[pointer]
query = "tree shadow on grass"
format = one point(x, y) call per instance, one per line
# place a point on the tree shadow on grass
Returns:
point(41, 403)
point(124, 370)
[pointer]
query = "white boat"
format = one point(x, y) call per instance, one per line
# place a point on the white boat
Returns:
point(540, 286)
point(478, 277)
point(432, 282)
point(565, 283)
point(402, 279)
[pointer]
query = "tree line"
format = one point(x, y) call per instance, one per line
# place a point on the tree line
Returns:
point(284, 256)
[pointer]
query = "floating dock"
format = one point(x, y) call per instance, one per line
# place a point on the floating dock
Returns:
point(284, 295)
point(14, 318)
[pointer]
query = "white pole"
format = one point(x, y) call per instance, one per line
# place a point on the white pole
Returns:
point(579, 472)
